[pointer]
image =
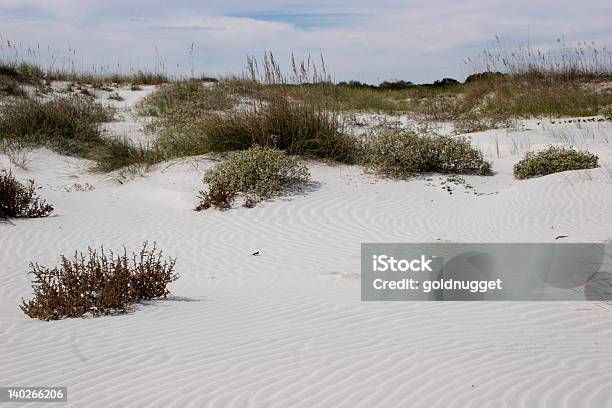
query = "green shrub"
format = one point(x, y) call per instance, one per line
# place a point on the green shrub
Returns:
point(98, 283)
point(402, 154)
point(259, 171)
point(553, 160)
point(18, 200)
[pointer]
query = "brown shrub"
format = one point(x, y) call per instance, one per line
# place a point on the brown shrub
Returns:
point(219, 195)
point(18, 200)
point(98, 283)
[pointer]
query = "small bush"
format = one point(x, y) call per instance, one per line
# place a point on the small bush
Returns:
point(220, 196)
point(18, 200)
point(403, 154)
point(258, 172)
point(98, 283)
point(554, 160)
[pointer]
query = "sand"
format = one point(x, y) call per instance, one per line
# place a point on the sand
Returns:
point(287, 328)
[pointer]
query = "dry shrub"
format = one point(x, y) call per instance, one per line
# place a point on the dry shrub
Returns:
point(554, 160)
point(220, 196)
point(401, 154)
point(18, 200)
point(98, 283)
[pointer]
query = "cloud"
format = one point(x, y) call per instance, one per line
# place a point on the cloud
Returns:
point(414, 40)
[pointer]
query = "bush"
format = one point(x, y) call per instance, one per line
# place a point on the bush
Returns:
point(259, 171)
point(68, 125)
point(221, 196)
point(402, 154)
point(18, 200)
point(553, 160)
point(98, 283)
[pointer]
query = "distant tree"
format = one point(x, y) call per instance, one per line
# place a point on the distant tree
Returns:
point(395, 85)
point(481, 76)
point(444, 82)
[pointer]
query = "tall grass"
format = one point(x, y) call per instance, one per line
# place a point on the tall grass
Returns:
point(46, 63)
point(563, 61)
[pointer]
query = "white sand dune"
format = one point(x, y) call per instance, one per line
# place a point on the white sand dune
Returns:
point(287, 328)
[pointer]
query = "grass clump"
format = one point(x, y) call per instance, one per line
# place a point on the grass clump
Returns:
point(258, 173)
point(18, 200)
point(182, 112)
point(296, 126)
point(183, 101)
point(98, 283)
point(403, 154)
point(13, 76)
point(193, 121)
point(68, 124)
point(554, 160)
point(297, 114)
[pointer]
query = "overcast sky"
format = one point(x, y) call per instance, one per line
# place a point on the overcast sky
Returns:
point(371, 41)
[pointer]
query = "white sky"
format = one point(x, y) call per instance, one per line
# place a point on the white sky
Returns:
point(371, 41)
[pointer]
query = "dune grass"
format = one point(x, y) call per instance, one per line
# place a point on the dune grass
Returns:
point(302, 112)
point(193, 120)
point(69, 125)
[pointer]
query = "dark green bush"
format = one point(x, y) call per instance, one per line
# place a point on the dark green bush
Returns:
point(98, 283)
point(553, 160)
point(403, 154)
point(18, 200)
